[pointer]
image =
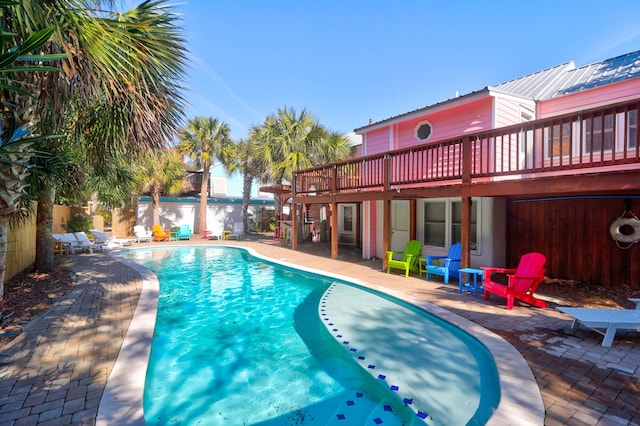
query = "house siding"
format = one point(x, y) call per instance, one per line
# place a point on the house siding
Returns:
point(377, 141)
point(509, 111)
point(613, 93)
point(467, 118)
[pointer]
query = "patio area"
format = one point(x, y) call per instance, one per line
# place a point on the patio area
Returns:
point(60, 363)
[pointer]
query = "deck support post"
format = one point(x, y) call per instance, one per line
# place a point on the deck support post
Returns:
point(294, 225)
point(334, 230)
point(386, 232)
point(465, 232)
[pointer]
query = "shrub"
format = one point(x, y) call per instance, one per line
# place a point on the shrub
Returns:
point(79, 223)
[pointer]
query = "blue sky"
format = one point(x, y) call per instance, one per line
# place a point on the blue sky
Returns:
point(350, 61)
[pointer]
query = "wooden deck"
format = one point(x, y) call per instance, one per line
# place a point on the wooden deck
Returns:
point(586, 152)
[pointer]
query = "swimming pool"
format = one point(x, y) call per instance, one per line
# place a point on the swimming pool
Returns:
point(267, 328)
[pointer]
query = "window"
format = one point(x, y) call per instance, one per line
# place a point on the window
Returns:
point(558, 139)
point(218, 185)
point(435, 224)
point(443, 223)
point(423, 131)
point(598, 134)
point(348, 218)
point(632, 130)
point(456, 223)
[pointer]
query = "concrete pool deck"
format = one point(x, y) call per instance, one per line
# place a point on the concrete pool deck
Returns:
point(60, 364)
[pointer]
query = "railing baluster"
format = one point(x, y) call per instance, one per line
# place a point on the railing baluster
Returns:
point(566, 143)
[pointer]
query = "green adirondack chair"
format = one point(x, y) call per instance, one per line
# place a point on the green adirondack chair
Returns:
point(406, 260)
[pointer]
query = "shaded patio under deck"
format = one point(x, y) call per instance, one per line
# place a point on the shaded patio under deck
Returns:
point(591, 152)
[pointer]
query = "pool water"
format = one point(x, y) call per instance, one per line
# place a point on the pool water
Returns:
point(240, 341)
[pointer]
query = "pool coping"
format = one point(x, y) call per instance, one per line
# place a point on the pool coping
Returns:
point(122, 401)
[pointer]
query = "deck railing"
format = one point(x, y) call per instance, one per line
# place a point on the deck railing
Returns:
point(585, 142)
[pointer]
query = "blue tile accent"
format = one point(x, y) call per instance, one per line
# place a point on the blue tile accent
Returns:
point(334, 328)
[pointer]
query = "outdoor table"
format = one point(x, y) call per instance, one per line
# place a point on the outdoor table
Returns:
point(466, 285)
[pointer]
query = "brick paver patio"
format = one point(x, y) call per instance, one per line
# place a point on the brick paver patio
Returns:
point(59, 365)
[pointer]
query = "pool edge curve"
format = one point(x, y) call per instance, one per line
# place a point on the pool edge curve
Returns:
point(122, 401)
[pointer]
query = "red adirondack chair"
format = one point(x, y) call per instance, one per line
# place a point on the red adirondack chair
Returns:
point(523, 281)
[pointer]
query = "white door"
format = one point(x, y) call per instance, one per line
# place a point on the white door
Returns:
point(399, 224)
point(347, 223)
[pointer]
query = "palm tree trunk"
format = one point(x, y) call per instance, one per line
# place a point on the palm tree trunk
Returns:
point(4, 228)
point(155, 206)
point(204, 191)
point(44, 229)
point(246, 196)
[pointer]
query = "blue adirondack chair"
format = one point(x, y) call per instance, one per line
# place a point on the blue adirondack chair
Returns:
point(444, 266)
point(184, 233)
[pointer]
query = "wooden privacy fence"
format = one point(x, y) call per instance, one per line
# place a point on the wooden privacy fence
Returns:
point(21, 239)
point(21, 248)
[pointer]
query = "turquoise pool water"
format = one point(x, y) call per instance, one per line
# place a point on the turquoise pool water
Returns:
point(240, 341)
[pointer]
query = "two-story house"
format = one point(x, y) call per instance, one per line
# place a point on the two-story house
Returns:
point(546, 162)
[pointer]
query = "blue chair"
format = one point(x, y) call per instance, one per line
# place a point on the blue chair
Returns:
point(184, 233)
point(445, 266)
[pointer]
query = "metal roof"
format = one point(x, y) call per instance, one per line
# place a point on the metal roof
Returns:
point(598, 74)
point(538, 84)
point(559, 80)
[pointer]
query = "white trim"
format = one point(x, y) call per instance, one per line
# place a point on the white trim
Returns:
point(417, 127)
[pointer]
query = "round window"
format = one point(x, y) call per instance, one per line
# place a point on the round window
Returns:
point(423, 131)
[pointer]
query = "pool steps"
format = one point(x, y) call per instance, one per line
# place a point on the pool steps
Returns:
point(363, 411)
point(381, 413)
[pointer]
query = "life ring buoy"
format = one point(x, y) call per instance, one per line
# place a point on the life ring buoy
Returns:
point(627, 238)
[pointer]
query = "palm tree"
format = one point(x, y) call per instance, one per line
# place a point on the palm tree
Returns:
point(119, 89)
point(205, 140)
point(289, 141)
point(243, 159)
point(161, 173)
point(15, 138)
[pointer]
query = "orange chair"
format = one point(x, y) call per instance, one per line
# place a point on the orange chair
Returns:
point(159, 234)
point(523, 281)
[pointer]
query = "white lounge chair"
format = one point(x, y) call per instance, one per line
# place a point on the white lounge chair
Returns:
point(142, 234)
point(73, 243)
point(86, 243)
point(611, 320)
point(109, 241)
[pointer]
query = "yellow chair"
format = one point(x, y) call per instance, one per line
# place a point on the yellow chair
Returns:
point(408, 258)
point(160, 234)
